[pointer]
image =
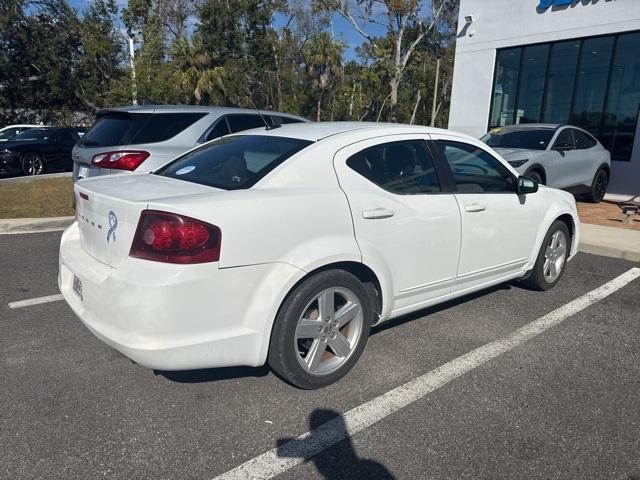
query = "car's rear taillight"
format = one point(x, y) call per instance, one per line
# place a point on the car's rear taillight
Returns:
point(171, 238)
point(121, 160)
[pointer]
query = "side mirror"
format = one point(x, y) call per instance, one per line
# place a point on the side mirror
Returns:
point(526, 185)
point(563, 147)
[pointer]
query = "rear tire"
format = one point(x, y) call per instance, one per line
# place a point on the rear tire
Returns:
point(32, 164)
point(598, 187)
point(321, 330)
point(552, 258)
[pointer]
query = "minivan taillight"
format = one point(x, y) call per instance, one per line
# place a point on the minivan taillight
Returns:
point(121, 160)
point(172, 238)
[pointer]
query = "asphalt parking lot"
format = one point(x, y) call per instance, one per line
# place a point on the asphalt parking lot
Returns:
point(564, 404)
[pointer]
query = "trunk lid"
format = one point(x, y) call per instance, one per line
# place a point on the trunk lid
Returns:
point(108, 210)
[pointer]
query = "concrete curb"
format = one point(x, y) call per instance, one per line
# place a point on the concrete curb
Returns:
point(14, 226)
point(610, 242)
point(35, 178)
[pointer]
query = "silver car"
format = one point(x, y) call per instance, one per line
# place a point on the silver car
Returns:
point(144, 138)
point(560, 156)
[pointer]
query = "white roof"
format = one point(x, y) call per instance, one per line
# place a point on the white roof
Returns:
point(315, 131)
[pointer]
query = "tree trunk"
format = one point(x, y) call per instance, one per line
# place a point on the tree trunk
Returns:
point(319, 107)
point(353, 93)
point(415, 108)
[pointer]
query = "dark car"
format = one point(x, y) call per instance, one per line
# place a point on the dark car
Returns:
point(39, 150)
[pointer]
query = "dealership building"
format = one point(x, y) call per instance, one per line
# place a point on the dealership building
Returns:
point(553, 61)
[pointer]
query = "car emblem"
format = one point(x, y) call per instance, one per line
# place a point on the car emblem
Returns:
point(113, 224)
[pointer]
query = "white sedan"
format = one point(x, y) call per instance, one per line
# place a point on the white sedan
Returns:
point(286, 245)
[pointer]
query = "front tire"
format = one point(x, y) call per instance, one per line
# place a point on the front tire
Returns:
point(535, 176)
point(598, 187)
point(552, 258)
point(32, 164)
point(321, 330)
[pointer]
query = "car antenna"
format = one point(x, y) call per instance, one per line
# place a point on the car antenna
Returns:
point(266, 125)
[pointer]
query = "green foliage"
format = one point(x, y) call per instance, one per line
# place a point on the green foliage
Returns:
point(55, 60)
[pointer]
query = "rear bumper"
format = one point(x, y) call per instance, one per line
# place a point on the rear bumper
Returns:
point(172, 317)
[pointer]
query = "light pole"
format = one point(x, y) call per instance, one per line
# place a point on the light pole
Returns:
point(134, 87)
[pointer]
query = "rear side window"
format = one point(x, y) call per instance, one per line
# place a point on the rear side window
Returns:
point(239, 123)
point(234, 163)
point(163, 126)
point(564, 140)
point(116, 128)
point(583, 141)
point(219, 130)
point(399, 167)
point(113, 129)
point(284, 120)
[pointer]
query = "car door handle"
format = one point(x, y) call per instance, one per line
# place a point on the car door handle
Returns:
point(377, 213)
point(475, 207)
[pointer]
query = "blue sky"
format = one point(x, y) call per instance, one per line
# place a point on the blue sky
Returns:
point(341, 28)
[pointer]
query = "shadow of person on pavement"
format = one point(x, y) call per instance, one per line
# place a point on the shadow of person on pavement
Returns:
point(339, 461)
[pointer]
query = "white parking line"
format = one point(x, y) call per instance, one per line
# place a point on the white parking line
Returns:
point(36, 301)
point(278, 460)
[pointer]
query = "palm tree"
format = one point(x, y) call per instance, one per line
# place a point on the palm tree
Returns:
point(195, 71)
point(323, 59)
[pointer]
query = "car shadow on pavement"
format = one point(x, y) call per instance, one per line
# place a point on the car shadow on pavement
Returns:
point(338, 462)
point(442, 306)
point(213, 374)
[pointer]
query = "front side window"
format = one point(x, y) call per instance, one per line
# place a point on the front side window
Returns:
point(34, 134)
point(399, 167)
point(528, 138)
point(475, 170)
point(233, 163)
point(9, 133)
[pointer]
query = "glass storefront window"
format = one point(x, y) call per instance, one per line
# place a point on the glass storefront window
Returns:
point(593, 83)
point(560, 80)
point(532, 79)
point(506, 84)
point(623, 98)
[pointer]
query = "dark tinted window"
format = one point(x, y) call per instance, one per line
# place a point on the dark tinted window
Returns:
point(591, 82)
point(582, 140)
point(399, 167)
point(560, 79)
point(220, 129)
point(239, 123)
point(163, 126)
point(505, 86)
point(531, 139)
point(8, 133)
point(284, 120)
point(113, 129)
point(532, 78)
point(565, 139)
point(34, 134)
point(233, 163)
point(474, 170)
point(66, 137)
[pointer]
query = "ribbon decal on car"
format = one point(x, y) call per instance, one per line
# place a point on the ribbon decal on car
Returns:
point(113, 224)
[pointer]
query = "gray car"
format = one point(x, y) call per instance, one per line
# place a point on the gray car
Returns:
point(144, 138)
point(560, 156)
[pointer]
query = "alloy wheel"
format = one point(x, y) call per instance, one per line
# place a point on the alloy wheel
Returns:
point(32, 164)
point(554, 256)
point(328, 331)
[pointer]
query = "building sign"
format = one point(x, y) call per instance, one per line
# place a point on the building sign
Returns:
point(544, 4)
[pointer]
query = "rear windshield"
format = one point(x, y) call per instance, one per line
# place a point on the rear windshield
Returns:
point(121, 128)
point(530, 139)
point(233, 163)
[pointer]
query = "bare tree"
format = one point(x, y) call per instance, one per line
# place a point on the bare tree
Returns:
point(397, 16)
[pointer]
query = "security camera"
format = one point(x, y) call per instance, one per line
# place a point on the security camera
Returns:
point(468, 18)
